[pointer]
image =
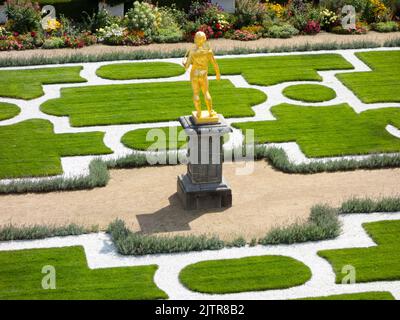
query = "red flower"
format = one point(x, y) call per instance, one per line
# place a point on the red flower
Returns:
point(15, 34)
point(33, 34)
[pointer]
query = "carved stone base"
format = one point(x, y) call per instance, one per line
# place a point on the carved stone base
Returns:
point(203, 196)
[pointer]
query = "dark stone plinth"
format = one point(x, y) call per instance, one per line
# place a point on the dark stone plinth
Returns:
point(203, 196)
point(203, 186)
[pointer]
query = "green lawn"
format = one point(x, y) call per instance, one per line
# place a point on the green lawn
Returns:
point(27, 84)
point(309, 93)
point(8, 110)
point(136, 139)
point(329, 131)
point(146, 70)
point(245, 274)
point(378, 263)
point(146, 102)
point(380, 85)
point(21, 277)
point(266, 71)
point(378, 295)
point(31, 149)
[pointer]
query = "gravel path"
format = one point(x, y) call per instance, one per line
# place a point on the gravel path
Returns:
point(217, 45)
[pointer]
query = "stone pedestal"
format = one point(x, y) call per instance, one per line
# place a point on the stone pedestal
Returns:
point(203, 187)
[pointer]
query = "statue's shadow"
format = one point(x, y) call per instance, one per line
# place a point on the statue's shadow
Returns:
point(171, 218)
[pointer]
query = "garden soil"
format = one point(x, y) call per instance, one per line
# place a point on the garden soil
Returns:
point(146, 200)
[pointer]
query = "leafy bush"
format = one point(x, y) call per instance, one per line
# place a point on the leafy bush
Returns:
point(328, 19)
point(97, 20)
point(388, 26)
point(23, 16)
point(129, 243)
point(322, 224)
point(53, 43)
point(249, 12)
point(171, 34)
point(366, 205)
point(143, 17)
point(11, 232)
point(281, 31)
point(312, 27)
point(243, 35)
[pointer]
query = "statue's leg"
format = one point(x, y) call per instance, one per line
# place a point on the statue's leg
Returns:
point(207, 96)
point(196, 96)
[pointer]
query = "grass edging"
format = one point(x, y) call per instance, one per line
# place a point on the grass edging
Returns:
point(10, 232)
point(99, 176)
point(145, 54)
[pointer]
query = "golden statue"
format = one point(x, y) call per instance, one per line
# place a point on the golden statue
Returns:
point(199, 58)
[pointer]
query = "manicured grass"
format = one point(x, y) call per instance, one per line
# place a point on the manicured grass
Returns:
point(27, 84)
point(147, 70)
point(380, 85)
point(378, 295)
point(8, 110)
point(174, 139)
point(378, 263)
point(31, 149)
point(245, 274)
point(309, 93)
point(136, 139)
point(329, 131)
point(266, 71)
point(146, 102)
point(21, 277)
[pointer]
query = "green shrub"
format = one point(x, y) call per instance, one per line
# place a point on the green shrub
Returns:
point(170, 34)
point(96, 20)
point(281, 31)
point(11, 232)
point(249, 12)
point(278, 159)
point(389, 26)
point(23, 16)
point(53, 43)
point(143, 17)
point(366, 205)
point(322, 224)
point(129, 243)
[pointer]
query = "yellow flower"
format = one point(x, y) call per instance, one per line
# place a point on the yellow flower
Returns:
point(53, 24)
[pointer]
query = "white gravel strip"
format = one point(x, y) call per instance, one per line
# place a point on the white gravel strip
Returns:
point(101, 253)
point(79, 166)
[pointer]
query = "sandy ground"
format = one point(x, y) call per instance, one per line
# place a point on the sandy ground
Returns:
point(145, 198)
point(217, 45)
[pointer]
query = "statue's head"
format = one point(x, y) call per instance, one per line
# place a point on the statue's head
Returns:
point(200, 38)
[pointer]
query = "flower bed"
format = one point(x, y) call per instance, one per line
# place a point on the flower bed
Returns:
point(145, 23)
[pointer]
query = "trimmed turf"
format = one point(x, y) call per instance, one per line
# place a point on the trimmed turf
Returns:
point(146, 102)
point(378, 295)
point(27, 84)
point(329, 131)
point(309, 93)
point(245, 274)
point(378, 263)
point(8, 110)
point(380, 85)
point(266, 71)
point(31, 149)
point(147, 70)
point(136, 139)
point(21, 277)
